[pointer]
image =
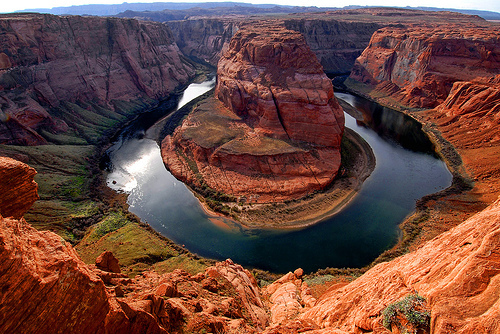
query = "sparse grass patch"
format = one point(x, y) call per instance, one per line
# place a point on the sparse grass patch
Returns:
point(135, 247)
point(112, 222)
point(186, 262)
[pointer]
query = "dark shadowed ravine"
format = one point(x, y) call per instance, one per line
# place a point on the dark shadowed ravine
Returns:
point(406, 170)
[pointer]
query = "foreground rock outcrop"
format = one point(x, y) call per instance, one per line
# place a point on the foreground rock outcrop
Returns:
point(17, 188)
point(276, 133)
point(418, 64)
point(46, 287)
point(47, 61)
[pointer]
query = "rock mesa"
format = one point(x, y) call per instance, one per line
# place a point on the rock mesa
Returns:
point(275, 132)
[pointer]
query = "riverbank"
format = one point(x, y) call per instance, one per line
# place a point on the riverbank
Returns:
point(357, 164)
point(467, 195)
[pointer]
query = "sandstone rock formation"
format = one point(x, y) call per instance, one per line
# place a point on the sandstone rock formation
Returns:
point(17, 188)
point(270, 77)
point(46, 288)
point(47, 60)
point(457, 272)
point(275, 136)
point(418, 64)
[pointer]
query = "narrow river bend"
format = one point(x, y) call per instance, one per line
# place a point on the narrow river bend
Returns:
point(352, 238)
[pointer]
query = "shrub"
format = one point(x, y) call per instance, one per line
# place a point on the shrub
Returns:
point(412, 308)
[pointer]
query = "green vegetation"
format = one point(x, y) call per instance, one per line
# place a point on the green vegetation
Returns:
point(136, 246)
point(74, 199)
point(408, 314)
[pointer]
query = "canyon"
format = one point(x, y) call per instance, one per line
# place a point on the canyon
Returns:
point(448, 252)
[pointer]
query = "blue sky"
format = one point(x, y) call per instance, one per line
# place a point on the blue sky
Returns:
point(492, 5)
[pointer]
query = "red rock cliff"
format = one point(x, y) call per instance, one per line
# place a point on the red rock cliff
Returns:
point(270, 77)
point(457, 272)
point(419, 64)
point(275, 136)
point(46, 59)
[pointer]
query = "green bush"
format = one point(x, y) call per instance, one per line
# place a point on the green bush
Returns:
point(411, 307)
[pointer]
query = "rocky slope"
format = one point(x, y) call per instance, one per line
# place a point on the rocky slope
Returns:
point(418, 64)
point(457, 273)
point(48, 61)
point(276, 134)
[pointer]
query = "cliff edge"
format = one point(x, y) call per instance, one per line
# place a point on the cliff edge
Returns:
point(49, 62)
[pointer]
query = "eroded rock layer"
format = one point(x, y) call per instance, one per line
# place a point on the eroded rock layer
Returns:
point(270, 77)
point(418, 65)
point(276, 133)
point(47, 60)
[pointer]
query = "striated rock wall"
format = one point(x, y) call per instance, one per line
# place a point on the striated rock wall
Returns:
point(204, 39)
point(17, 188)
point(418, 64)
point(48, 59)
point(270, 77)
point(335, 43)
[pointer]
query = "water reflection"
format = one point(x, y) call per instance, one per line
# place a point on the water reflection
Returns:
point(390, 124)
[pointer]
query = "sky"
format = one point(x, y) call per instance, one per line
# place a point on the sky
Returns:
point(491, 5)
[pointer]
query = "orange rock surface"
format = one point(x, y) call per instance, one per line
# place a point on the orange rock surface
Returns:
point(17, 188)
point(418, 64)
point(458, 273)
point(280, 138)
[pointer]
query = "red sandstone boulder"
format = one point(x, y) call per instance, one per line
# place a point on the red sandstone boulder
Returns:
point(45, 287)
point(108, 262)
point(421, 63)
point(17, 188)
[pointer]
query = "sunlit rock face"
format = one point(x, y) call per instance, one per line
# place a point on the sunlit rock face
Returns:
point(418, 64)
point(17, 188)
point(273, 134)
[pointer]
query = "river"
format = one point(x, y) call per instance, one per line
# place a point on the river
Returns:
point(405, 171)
